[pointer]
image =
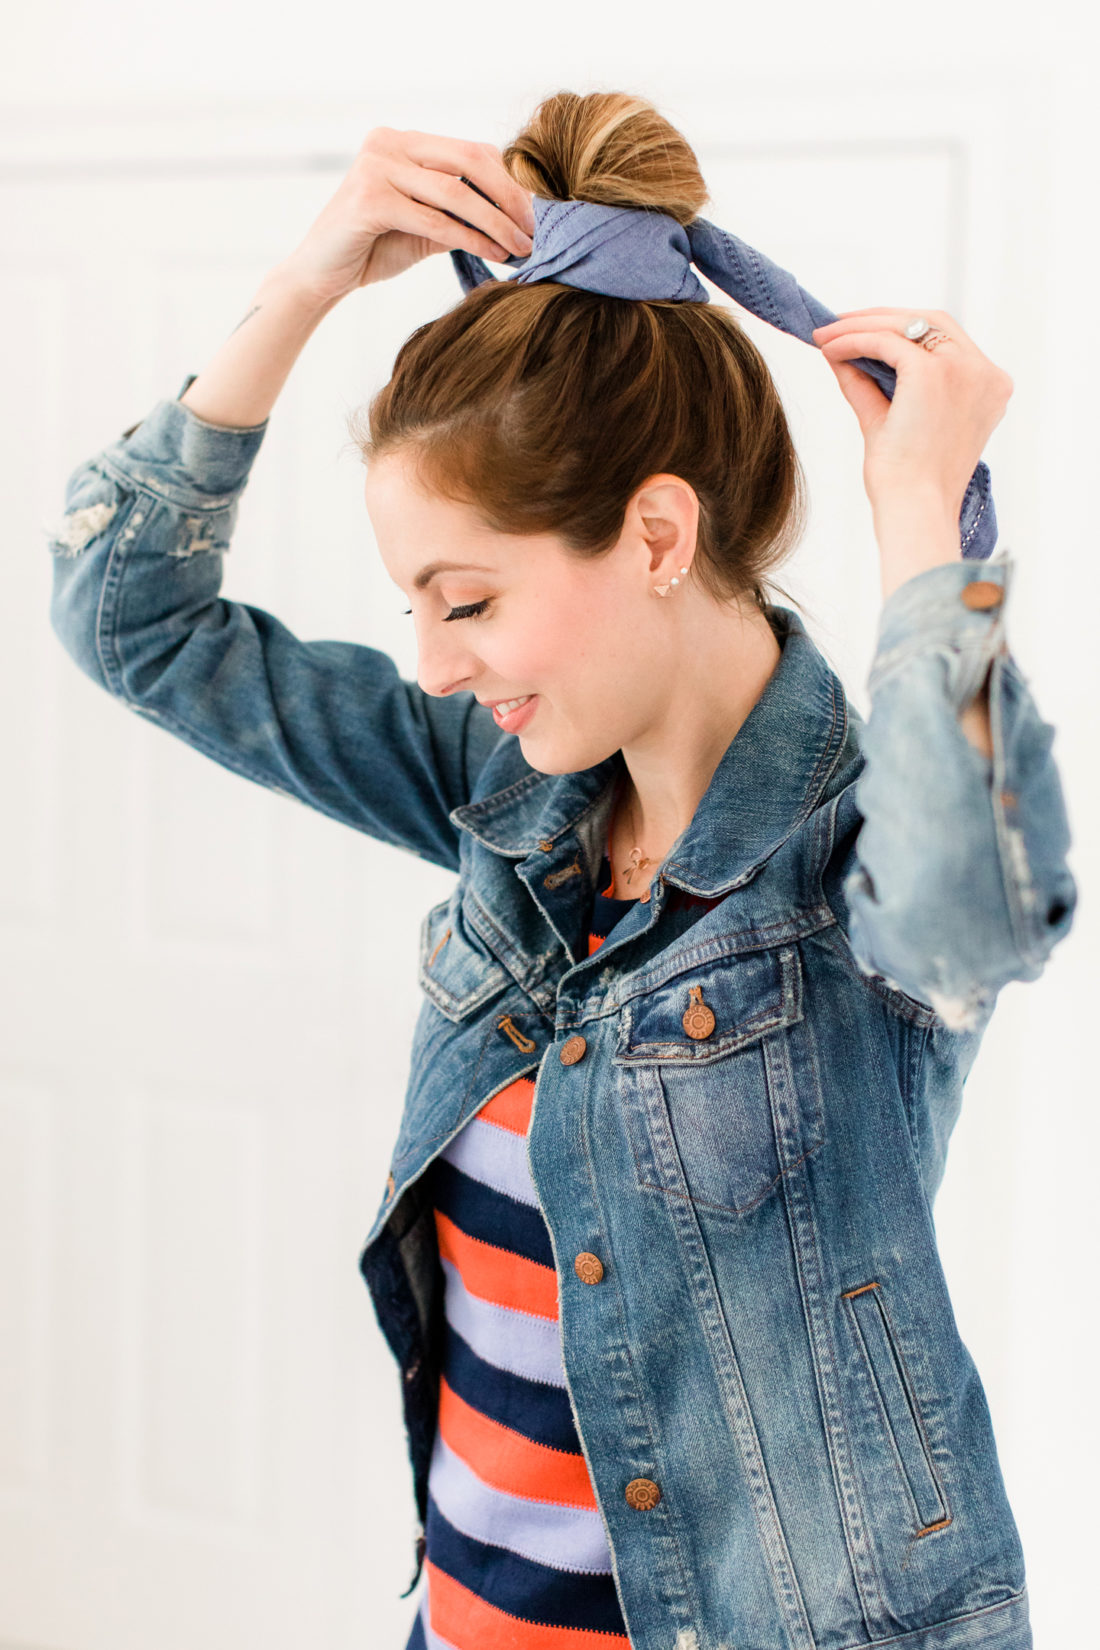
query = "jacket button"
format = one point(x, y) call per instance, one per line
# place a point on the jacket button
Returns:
point(390, 1183)
point(589, 1268)
point(642, 1493)
point(981, 593)
point(572, 1050)
point(697, 1019)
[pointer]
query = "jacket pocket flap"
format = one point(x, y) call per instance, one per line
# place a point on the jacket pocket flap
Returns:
point(455, 972)
point(708, 1012)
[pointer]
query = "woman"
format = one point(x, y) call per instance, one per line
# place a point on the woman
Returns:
point(678, 1360)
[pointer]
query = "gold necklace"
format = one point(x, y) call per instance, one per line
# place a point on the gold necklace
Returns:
point(638, 860)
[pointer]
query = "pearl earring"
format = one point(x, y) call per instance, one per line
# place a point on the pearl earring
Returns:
point(663, 589)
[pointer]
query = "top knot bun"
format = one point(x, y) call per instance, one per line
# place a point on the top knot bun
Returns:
point(610, 148)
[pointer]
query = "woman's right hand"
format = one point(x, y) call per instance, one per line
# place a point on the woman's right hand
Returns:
point(390, 212)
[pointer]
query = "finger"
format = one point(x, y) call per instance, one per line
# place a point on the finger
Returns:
point(862, 394)
point(520, 201)
point(471, 222)
point(893, 309)
point(415, 217)
point(940, 316)
point(884, 344)
point(482, 164)
point(897, 319)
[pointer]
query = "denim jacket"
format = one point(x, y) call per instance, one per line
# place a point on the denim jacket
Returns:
point(771, 1344)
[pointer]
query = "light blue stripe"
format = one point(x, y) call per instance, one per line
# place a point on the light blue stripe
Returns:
point(495, 1156)
point(503, 1336)
point(565, 1538)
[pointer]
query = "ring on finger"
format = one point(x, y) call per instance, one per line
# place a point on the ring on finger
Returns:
point(922, 333)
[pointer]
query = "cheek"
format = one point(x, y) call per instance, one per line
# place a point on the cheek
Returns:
point(580, 643)
point(566, 656)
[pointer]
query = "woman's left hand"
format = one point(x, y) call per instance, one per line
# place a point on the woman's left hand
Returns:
point(927, 441)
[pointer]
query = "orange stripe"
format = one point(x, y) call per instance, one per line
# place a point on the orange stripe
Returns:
point(498, 1275)
point(469, 1623)
point(511, 1108)
point(509, 1461)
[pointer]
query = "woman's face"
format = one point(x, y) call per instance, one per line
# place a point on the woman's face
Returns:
point(586, 638)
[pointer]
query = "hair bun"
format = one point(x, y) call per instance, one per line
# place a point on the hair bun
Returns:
point(611, 148)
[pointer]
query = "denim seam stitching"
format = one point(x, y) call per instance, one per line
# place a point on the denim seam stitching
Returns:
point(905, 1382)
point(915, 1635)
point(625, 1344)
point(910, 1389)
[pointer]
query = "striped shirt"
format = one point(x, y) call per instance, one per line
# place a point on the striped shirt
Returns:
point(516, 1554)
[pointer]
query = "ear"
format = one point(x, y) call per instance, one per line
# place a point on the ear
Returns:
point(667, 508)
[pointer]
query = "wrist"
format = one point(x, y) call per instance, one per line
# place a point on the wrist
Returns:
point(292, 287)
point(914, 532)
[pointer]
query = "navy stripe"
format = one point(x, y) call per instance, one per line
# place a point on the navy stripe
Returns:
point(606, 912)
point(533, 1592)
point(415, 1639)
point(482, 1212)
point(539, 1412)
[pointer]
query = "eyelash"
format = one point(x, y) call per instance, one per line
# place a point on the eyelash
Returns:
point(472, 610)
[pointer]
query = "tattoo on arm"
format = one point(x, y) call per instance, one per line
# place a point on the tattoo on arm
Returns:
point(255, 308)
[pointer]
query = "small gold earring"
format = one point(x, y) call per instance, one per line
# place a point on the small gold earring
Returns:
point(663, 589)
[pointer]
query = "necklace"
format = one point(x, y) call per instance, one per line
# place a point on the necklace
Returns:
point(638, 860)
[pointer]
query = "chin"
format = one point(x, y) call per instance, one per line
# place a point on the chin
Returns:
point(573, 759)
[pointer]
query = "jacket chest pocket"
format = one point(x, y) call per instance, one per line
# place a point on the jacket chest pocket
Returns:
point(719, 1083)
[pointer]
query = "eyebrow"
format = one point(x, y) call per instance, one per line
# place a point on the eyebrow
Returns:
point(427, 574)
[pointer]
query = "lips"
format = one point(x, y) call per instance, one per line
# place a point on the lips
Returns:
point(512, 720)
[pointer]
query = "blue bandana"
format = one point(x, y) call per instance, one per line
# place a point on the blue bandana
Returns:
point(628, 252)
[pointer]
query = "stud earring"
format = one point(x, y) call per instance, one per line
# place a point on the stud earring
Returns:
point(663, 589)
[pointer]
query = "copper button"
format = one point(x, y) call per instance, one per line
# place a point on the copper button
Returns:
point(642, 1493)
point(589, 1268)
point(981, 593)
point(389, 1185)
point(572, 1050)
point(697, 1019)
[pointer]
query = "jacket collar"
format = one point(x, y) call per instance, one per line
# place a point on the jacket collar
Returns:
point(767, 783)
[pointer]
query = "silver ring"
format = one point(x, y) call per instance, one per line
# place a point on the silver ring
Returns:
point(917, 328)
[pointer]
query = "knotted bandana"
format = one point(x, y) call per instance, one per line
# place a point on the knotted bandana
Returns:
point(627, 252)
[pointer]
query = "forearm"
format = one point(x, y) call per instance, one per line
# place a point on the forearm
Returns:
point(240, 384)
point(913, 535)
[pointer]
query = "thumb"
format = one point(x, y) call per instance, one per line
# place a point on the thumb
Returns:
point(861, 393)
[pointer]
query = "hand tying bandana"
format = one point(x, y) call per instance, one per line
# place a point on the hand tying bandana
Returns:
point(628, 252)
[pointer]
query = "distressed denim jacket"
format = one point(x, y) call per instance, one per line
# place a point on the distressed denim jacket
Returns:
point(771, 1344)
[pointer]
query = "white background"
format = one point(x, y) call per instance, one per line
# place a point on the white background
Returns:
point(207, 994)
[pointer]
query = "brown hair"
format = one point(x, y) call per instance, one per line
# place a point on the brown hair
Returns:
point(545, 407)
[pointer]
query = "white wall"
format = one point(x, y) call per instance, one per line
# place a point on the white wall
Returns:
point(203, 1006)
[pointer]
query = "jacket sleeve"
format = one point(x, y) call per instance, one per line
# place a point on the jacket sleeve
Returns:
point(138, 557)
point(960, 881)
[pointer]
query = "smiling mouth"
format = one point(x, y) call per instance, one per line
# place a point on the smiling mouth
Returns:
point(513, 714)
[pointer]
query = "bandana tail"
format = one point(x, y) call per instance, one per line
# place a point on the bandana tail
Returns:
point(756, 283)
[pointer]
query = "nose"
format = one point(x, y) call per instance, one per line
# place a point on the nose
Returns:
point(445, 664)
